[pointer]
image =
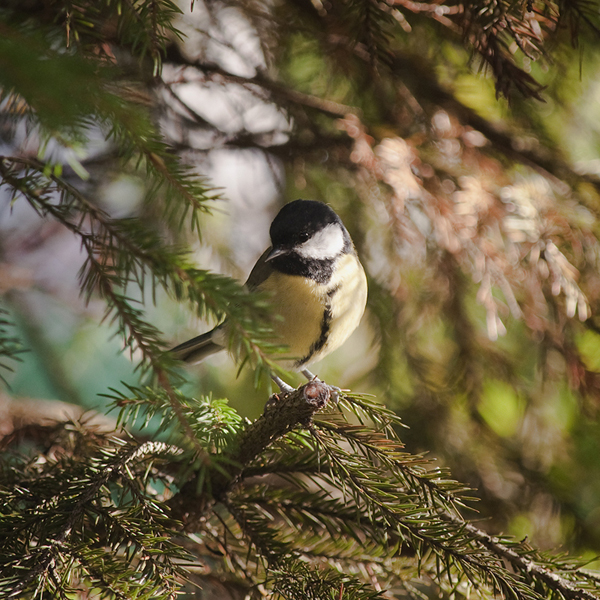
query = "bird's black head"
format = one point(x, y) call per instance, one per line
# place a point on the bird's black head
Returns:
point(307, 238)
point(299, 220)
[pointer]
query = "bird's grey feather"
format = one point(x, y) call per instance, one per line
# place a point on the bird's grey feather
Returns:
point(197, 349)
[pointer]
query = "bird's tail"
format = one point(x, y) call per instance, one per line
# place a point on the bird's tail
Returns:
point(197, 349)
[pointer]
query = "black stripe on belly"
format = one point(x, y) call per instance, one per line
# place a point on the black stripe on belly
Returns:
point(325, 326)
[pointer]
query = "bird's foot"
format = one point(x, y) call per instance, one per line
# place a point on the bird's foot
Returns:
point(284, 388)
point(308, 375)
point(334, 390)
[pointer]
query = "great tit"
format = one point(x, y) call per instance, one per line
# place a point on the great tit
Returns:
point(316, 285)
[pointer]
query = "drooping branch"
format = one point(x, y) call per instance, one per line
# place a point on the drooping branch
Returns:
point(51, 548)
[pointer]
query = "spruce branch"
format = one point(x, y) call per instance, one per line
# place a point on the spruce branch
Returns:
point(285, 572)
point(145, 27)
point(120, 250)
point(369, 25)
point(43, 559)
point(411, 71)
point(490, 28)
point(362, 515)
point(390, 506)
point(381, 496)
point(523, 564)
point(282, 414)
point(462, 545)
point(432, 486)
point(94, 99)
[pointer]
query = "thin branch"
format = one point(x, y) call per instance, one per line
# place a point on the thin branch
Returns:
point(525, 565)
point(328, 107)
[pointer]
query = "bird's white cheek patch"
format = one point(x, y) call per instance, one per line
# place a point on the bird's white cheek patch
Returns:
point(327, 243)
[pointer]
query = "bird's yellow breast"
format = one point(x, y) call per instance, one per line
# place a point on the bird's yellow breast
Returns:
point(315, 319)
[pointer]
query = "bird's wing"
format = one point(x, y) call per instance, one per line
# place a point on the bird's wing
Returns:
point(198, 348)
point(260, 273)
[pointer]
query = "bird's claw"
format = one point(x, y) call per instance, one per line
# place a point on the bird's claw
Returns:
point(284, 388)
point(334, 391)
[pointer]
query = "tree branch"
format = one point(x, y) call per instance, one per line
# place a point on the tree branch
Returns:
point(53, 546)
point(328, 107)
point(282, 414)
point(522, 564)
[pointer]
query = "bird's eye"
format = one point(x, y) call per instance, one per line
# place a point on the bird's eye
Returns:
point(304, 236)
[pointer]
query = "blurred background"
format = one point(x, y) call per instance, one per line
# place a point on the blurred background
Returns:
point(460, 148)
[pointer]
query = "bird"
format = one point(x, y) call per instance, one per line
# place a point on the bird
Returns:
point(316, 285)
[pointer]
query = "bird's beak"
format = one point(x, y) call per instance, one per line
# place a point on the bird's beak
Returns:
point(275, 252)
